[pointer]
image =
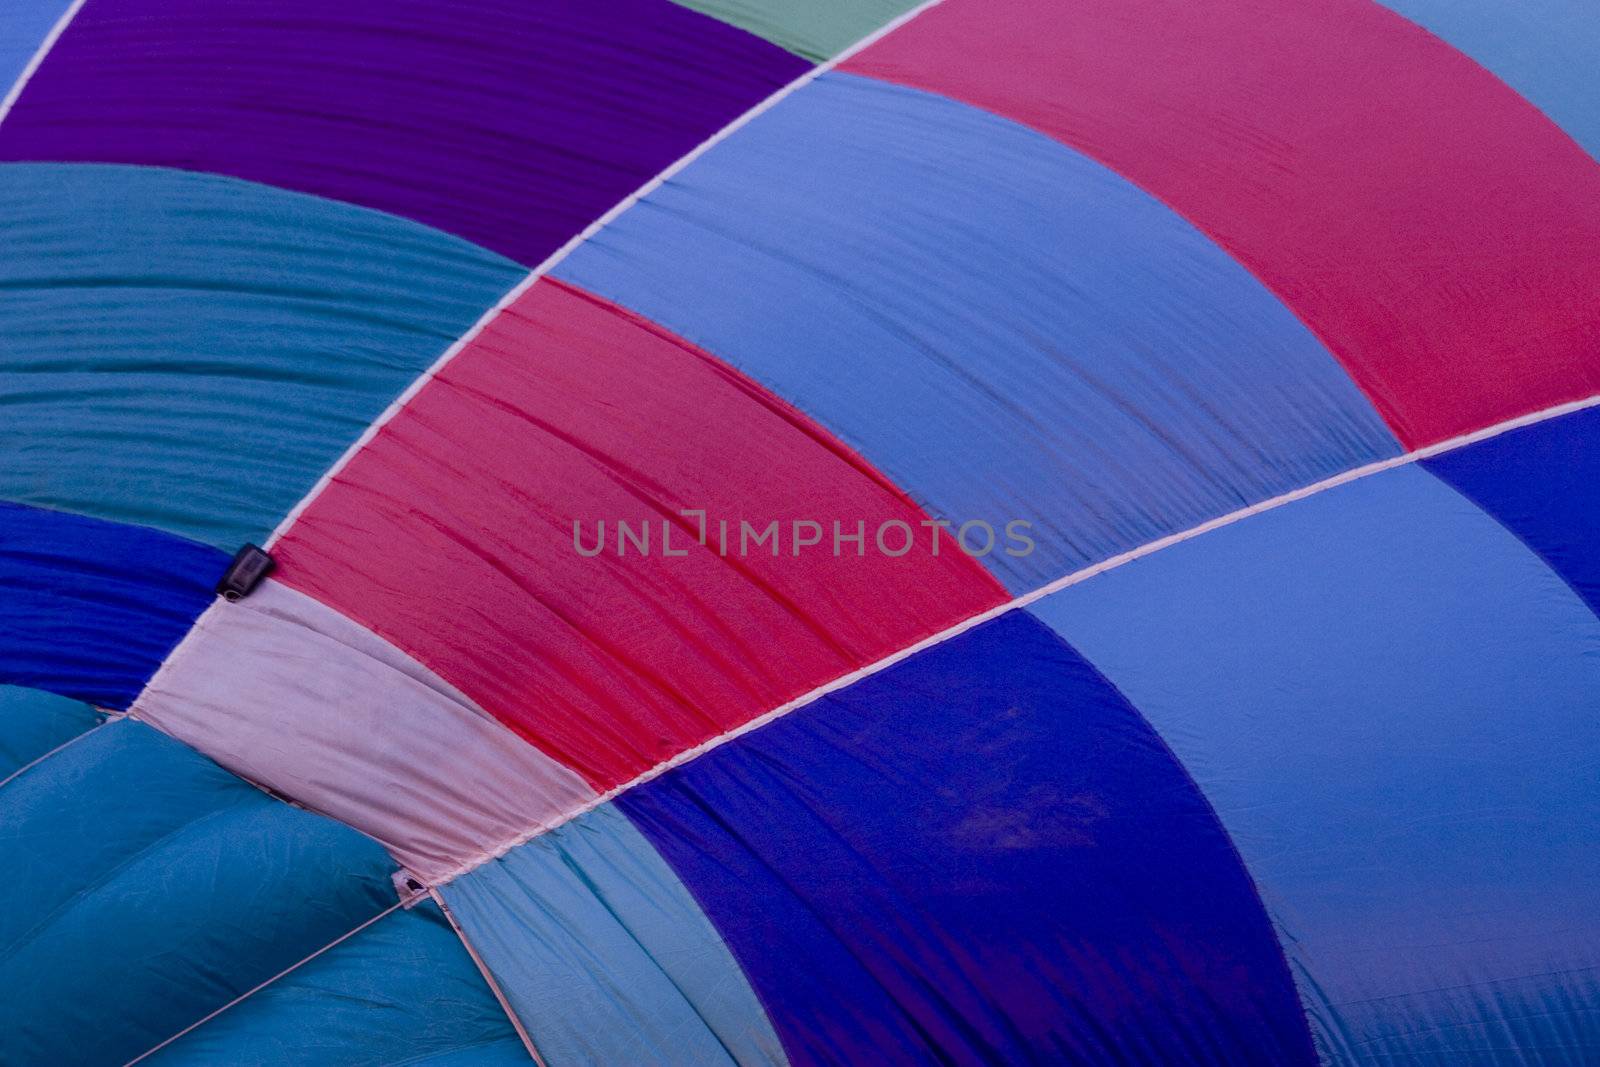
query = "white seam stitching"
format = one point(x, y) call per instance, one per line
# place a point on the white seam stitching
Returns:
point(1012, 605)
point(411, 391)
point(549, 263)
point(38, 58)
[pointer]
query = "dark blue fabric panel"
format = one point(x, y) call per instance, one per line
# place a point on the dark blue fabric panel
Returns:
point(33, 722)
point(980, 855)
point(145, 887)
point(402, 991)
point(1543, 483)
point(1394, 706)
point(1006, 328)
point(90, 608)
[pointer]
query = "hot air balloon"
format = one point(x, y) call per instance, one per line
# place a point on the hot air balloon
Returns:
point(633, 532)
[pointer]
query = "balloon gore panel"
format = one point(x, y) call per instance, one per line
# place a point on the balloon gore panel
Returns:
point(32, 723)
point(1390, 700)
point(991, 859)
point(606, 957)
point(401, 991)
point(511, 123)
point(999, 323)
point(135, 865)
point(1436, 231)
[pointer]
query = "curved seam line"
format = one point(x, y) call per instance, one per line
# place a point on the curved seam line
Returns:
point(1439, 36)
point(496, 729)
point(1021, 601)
point(1282, 955)
point(38, 57)
point(110, 717)
point(510, 297)
point(1385, 408)
point(416, 386)
point(549, 263)
point(1516, 535)
point(98, 882)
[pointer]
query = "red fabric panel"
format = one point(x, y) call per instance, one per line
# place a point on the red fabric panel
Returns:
point(451, 535)
point(1437, 232)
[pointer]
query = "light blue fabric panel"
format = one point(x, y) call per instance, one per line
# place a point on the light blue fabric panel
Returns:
point(1003, 326)
point(146, 887)
point(191, 352)
point(33, 722)
point(402, 991)
point(605, 956)
point(1547, 50)
point(1391, 702)
point(23, 27)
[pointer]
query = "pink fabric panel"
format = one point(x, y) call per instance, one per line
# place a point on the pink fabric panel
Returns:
point(1437, 231)
point(296, 697)
point(451, 534)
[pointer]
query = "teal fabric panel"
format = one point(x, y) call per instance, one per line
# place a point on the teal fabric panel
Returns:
point(1547, 50)
point(402, 991)
point(146, 887)
point(23, 27)
point(1391, 702)
point(32, 722)
point(605, 956)
point(191, 352)
point(816, 29)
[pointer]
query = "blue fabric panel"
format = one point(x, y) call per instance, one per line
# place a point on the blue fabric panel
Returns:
point(1547, 50)
point(1543, 483)
point(146, 887)
point(402, 991)
point(1004, 327)
point(34, 722)
point(1391, 703)
point(980, 855)
point(89, 608)
point(192, 352)
point(23, 27)
point(604, 955)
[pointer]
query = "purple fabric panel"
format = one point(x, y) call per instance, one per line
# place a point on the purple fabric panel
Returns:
point(513, 123)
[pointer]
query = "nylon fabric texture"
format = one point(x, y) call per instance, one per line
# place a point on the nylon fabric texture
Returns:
point(622, 391)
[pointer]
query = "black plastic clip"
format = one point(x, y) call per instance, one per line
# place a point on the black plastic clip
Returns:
point(250, 565)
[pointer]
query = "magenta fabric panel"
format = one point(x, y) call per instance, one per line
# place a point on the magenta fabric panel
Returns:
point(452, 535)
point(1437, 232)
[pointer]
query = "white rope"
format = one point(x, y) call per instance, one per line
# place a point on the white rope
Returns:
point(391, 909)
point(411, 391)
point(565, 250)
point(489, 979)
point(39, 53)
point(1011, 605)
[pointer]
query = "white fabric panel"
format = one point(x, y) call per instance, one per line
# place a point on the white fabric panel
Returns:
point(291, 694)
